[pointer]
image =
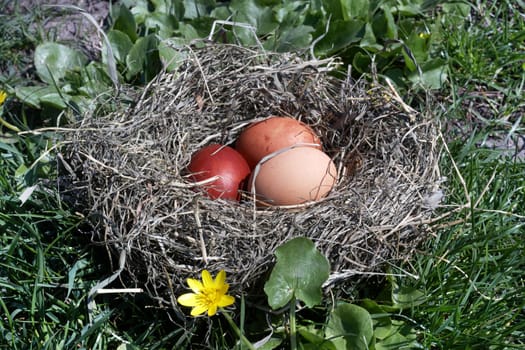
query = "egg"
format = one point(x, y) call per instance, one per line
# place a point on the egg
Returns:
point(262, 138)
point(224, 162)
point(293, 176)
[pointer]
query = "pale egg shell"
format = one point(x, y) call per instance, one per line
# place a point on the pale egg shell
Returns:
point(262, 138)
point(293, 176)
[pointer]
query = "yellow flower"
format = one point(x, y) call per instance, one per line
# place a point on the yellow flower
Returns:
point(3, 96)
point(208, 295)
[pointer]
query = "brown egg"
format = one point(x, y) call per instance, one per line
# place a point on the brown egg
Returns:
point(293, 176)
point(272, 134)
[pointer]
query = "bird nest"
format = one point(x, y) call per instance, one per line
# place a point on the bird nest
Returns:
point(131, 168)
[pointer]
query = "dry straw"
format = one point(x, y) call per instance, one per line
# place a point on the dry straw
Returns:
point(130, 167)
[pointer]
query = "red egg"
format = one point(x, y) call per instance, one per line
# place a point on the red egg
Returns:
point(224, 162)
point(272, 134)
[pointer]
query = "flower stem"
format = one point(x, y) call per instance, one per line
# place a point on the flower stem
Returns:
point(9, 125)
point(293, 329)
point(238, 331)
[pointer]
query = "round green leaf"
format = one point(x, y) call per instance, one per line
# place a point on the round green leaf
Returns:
point(300, 271)
point(53, 60)
point(350, 327)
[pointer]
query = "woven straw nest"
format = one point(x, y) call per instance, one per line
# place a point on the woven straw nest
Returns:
point(131, 167)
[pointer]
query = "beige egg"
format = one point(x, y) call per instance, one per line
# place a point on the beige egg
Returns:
point(293, 176)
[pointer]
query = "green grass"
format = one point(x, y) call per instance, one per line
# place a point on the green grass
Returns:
point(38, 248)
point(490, 49)
point(472, 272)
point(48, 267)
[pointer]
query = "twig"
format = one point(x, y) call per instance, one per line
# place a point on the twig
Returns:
point(196, 212)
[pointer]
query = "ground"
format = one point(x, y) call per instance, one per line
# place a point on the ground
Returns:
point(61, 22)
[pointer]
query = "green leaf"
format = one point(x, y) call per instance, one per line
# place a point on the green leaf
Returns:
point(270, 344)
point(54, 100)
point(391, 27)
point(299, 272)
point(341, 35)
point(361, 62)
point(198, 8)
point(125, 346)
point(120, 43)
point(334, 8)
point(144, 58)
point(433, 74)
point(199, 26)
point(410, 60)
point(170, 54)
point(418, 42)
point(78, 266)
point(293, 38)
point(35, 96)
point(396, 342)
point(260, 17)
point(408, 9)
point(170, 7)
point(369, 41)
point(163, 24)
point(95, 80)
point(21, 170)
point(380, 318)
point(352, 9)
point(406, 297)
point(125, 22)
point(221, 13)
point(401, 337)
point(350, 327)
point(456, 12)
point(53, 61)
point(315, 340)
point(188, 32)
point(140, 11)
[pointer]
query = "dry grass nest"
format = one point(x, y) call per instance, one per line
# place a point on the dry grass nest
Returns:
point(130, 166)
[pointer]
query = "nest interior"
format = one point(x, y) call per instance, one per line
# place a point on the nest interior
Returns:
point(130, 166)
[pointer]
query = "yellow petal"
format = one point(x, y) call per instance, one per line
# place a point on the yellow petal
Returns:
point(212, 310)
point(225, 300)
point(197, 310)
point(223, 289)
point(188, 299)
point(207, 280)
point(195, 285)
point(220, 279)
